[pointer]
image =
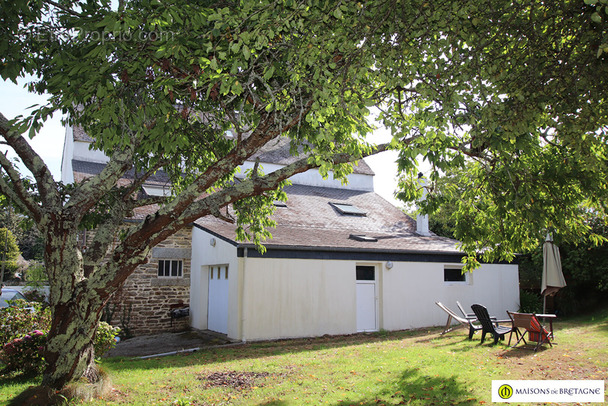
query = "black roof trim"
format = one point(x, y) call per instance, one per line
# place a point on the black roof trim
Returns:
point(216, 235)
point(358, 255)
point(350, 255)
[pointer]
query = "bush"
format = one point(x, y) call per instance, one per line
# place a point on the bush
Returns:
point(530, 302)
point(105, 338)
point(24, 354)
point(18, 320)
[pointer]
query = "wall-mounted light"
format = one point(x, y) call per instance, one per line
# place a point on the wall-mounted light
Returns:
point(212, 242)
point(389, 264)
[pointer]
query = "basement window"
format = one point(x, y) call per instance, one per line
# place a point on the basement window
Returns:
point(170, 268)
point(348, 209)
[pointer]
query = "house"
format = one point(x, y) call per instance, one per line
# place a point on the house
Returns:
point(341, 260)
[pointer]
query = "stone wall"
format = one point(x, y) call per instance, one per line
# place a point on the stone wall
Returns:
point(144, 303)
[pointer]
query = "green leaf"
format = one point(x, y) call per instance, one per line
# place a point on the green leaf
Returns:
point(269, 72)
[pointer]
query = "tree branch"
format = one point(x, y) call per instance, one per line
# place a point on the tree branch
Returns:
point(139, 181)
point(14, 194)
point(47, 188)
point(156, 228)
point(67, 10)
point(90, 191)
point(17, 191)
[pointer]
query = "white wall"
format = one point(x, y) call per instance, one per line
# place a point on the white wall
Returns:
point(67, 174)
point(312, 177)
point(410, 290)
point(83, 153)
point(273, 298)
point(298, 298)
point(301, 298)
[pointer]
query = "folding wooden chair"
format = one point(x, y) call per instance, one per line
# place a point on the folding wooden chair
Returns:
point(453, 316)
point(531, 325)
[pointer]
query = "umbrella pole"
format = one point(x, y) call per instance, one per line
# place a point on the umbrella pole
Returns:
point(544, 304)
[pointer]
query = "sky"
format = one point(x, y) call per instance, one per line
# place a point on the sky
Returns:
point(15, 100)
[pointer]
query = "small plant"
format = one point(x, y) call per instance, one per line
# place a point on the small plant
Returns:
point(24, 354)
point(36, 274)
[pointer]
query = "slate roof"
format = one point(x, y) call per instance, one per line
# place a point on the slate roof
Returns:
point(86, 169)
point(309, 220)
point(80, 135)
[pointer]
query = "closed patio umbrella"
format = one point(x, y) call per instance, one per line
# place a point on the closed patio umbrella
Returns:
point(553, 278)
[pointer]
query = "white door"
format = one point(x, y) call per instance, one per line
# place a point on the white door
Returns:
point(217, 313)
point(366, 299)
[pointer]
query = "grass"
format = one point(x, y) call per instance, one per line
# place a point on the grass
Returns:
point(409, 367)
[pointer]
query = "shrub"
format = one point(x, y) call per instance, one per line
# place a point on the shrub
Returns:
point(24, 354)
point(530, 302)
point(18, 320)
point(105, 338)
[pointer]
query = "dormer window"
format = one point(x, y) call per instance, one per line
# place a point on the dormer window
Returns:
point(348, 209)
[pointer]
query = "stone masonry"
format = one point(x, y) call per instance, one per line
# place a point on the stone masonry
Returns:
point(144, 303)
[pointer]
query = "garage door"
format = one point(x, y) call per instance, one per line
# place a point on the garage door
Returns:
point(217, 316)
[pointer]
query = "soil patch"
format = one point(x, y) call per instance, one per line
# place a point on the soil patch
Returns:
point(234, 379)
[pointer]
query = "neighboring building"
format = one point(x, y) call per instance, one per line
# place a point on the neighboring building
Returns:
point(342, 260)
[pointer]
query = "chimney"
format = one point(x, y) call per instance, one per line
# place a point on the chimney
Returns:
point(422, 220)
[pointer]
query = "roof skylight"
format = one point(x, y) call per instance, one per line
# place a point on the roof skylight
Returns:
point(349, 209)
point(157, 191)
point(362, 237)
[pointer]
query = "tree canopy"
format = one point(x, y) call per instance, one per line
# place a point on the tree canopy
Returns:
point(509, 94)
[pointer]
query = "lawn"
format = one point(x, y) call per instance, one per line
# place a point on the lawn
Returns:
point(409, 367)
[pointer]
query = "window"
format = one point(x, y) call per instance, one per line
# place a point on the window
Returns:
point(344, 208)
point(454, 275)
point(366, 273)
point(218, 272)
point(170, 268)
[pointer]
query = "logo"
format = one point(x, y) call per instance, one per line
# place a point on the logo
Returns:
point(505, 391)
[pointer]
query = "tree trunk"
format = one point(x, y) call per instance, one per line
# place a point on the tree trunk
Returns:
point(69, 352)
point(76, 311)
